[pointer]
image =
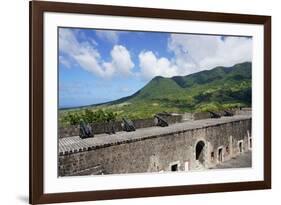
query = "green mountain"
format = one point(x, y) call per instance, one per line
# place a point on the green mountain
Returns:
point(208, 90)
point(221, 85)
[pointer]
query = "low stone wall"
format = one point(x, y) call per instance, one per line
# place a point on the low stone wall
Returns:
point(174, 119)
point(99, 128)
point(71, 130)
point(206, 115)
point(201, 115)
point(243, 111)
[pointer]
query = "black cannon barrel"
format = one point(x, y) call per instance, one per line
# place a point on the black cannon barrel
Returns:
point(161, 121)
point(128, 125)
point(214, 115)
point(227, 113)
point(85, 130)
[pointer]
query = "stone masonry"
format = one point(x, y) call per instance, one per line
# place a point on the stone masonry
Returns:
point(190, 145)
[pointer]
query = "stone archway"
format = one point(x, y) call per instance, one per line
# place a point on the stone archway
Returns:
point(199, 151)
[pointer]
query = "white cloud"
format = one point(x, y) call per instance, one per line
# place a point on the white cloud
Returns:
point(152, 66)
point(190, 54)
point(207, 51)
point(111, 36)
point(121, 59)
point(85, 54)
point(193, 53)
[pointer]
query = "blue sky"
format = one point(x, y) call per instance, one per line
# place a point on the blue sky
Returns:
point(97, 66)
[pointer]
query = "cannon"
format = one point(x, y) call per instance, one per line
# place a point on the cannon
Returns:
point(160, 121)
point(214, 115)
point(128, 125)
point(227, 113)
point(85, 131)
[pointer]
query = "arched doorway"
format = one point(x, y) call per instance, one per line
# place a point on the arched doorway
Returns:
point(199, 149)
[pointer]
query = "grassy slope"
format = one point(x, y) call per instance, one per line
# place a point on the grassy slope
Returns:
point(214, 89)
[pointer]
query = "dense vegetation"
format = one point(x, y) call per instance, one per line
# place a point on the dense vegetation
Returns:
point(210, 90)
point(88, 116)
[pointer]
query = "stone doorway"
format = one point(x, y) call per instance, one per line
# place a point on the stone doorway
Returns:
point(240, 144)
point(174, 168)
point(220, 154)
point(199, 151)
point(250, 143)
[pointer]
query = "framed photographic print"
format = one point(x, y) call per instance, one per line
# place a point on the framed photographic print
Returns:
point(138, 102)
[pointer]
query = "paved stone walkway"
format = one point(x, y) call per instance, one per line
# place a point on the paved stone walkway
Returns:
point(241, 161)
point(76, 144)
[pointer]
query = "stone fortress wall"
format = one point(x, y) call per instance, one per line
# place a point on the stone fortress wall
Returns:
point(189, 145)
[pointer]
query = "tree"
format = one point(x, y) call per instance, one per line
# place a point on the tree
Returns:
point(73, 119)
point(110, 116)
point(89, 116)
